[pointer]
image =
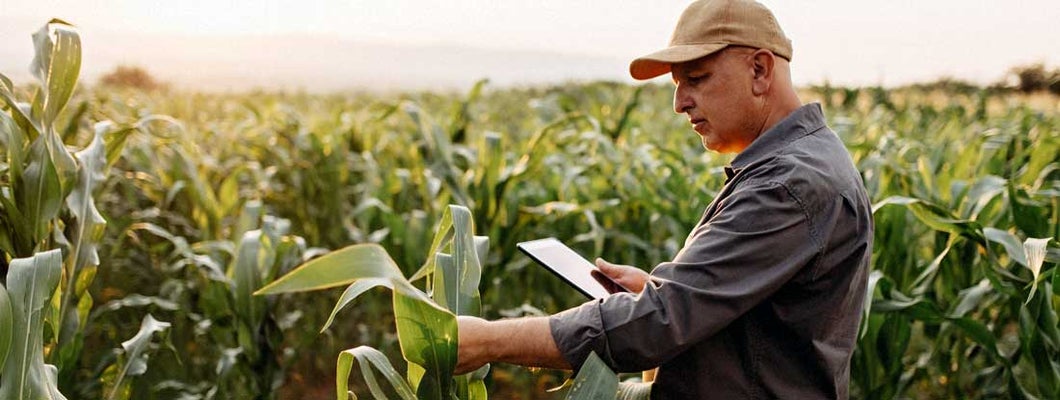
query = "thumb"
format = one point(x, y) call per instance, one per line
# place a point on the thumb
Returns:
point(606, 267)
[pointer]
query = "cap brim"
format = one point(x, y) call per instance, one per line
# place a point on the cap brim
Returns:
point(659, 62)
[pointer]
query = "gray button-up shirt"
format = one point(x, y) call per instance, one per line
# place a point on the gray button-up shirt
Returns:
point(765, 298)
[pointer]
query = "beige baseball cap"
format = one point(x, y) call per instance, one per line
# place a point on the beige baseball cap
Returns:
point(707, 26)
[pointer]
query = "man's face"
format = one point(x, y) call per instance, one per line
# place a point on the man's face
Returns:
point(715, 93)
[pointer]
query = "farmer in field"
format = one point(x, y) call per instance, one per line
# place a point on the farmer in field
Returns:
point(765, 298)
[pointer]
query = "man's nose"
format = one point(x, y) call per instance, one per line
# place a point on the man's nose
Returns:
point(682, 101)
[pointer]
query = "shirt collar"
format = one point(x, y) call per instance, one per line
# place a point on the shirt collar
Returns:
point(803, 120)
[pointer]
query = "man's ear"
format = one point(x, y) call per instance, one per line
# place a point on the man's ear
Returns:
point(762, 62)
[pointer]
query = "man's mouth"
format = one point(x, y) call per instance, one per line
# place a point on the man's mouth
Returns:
point(698, 124)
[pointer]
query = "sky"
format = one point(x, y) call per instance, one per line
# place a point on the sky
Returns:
point(844, 42)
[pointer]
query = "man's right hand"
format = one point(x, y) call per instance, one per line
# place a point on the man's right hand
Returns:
point(631, 278)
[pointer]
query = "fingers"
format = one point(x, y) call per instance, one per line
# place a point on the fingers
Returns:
point(606, 282)
point(609, 269)
point(629, 277)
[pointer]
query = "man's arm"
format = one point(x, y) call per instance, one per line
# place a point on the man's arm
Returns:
point(523, 341)
point(526, 341)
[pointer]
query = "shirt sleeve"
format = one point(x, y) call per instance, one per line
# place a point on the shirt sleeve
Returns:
point(758, 239)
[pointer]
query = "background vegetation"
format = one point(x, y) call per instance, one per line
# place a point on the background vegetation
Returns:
point(208, 197)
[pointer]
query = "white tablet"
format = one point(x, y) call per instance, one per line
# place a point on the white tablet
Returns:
point(569, 266)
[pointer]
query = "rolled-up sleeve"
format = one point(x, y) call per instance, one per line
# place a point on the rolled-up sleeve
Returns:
point(754, 242)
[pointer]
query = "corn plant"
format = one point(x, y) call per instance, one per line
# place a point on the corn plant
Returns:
point(426, 323)
point(51, 226)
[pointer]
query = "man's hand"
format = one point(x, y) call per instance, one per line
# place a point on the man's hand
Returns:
point(629, 277)
point(524, 341)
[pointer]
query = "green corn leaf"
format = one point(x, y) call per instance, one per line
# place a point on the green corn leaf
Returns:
point(1010, 242)
point(446, 292)
point(57, 64)
point(30, 283)
point(923, 310)
point(41, 197)
point(874, 278)
point(352, 292)
point(367, 358)
point(970, 298)
point(7, 320)
point(595, 381)
point(133, 360)
point(467, 263)
point(935, 217)
point(14, 143)
point(18, 110)
point(89, 224)
point(427, 335)
point(442, 236)
point(340, 267)
point(255, 253)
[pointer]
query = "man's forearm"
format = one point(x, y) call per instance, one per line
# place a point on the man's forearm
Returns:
point(523, 341)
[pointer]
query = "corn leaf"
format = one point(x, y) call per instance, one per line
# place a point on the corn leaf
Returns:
point(56, 64)
point(255, 253)
point(352, 292)
point(7, 320)
point(367, 358)
point(427, 336)
point(1010, 242)
point(1034, 249)
point(594, 381)
point(18, 110)
point(340, 267)
point(935, 217)
point(31, 282)
point(80, 266)
point(133, 359)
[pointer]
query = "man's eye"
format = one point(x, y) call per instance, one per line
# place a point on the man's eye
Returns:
point(692, 80)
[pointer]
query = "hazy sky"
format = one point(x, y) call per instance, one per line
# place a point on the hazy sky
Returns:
point(858, 42)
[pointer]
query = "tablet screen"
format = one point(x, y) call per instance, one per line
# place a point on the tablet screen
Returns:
point(561, 260)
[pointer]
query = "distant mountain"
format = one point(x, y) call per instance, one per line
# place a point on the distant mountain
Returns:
point(311, 63)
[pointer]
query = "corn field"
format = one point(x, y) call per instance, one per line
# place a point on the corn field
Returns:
point(157, 244)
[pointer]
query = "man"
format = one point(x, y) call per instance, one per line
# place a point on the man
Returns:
point(765, 298)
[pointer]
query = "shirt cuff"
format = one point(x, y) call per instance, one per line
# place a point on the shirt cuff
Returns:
point(579, 331)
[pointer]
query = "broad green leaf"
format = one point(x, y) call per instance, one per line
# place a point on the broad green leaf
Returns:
point(30, 128)
point(935, 217)
point(253, 255)
point(57, 64)
point(88, 226)
point(923, 310)
point(6, 324)
point(41, 197)
point(595, 381)
point(1010, 242)
point(340, 267)
point(355, 289)
point(442, 235)
point(115, 139)
point(30, 283)
point(367, 358)
point(446, 289)
point(874, 279)
point(1030, 217)
point(465, 259)
point(427, 335)
point(970, 298)
point(133, 360)
point(14, 144)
